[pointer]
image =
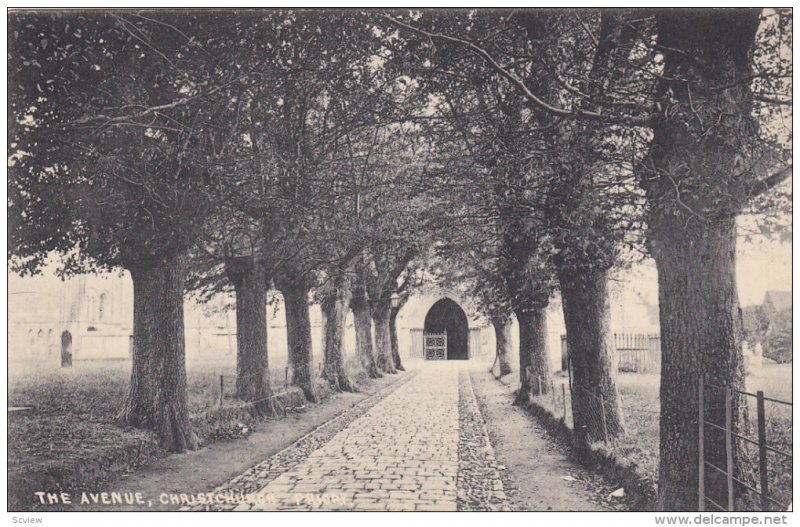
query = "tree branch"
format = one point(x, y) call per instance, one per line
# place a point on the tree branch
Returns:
point(520, 84)
point(770, 182)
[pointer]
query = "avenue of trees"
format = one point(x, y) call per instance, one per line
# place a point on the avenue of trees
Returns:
point(336, 156)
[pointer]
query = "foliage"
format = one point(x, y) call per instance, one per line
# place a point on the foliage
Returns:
point(109, 168)
point(778, 337)
point(754, 325)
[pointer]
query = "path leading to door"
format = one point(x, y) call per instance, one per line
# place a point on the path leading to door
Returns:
point(424, 447)
point(401, 455)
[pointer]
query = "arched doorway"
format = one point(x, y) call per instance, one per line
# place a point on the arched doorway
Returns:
point(447, 317)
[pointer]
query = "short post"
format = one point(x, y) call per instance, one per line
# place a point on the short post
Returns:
point(762, 450)
point(729, 446)
point(701, 461)
point(221, 389)
point(286, 378)
point(553, 393)
point(569, 369)
point(539, 390)
point(564, 399)
point(603, 414)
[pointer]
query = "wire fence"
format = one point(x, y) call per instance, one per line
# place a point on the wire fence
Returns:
point(558, 400)
point(280, 380)
point(226, 394)
point(762, 475)
point(762, 438)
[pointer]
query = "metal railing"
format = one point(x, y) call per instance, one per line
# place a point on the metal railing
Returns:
point(766, 500)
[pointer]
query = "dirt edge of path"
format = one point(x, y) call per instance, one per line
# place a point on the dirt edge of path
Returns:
point(639, 488)
point(537, 470)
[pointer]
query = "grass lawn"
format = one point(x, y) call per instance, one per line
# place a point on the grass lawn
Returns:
point(75, 408)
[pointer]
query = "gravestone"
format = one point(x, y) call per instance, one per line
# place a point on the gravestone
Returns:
point(66, 349)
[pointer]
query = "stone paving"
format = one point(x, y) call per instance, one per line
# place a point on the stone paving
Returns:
point(480, 485)
point(422, 447)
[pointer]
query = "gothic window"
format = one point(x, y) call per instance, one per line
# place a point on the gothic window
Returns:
point(91, 304)
point(102, 308)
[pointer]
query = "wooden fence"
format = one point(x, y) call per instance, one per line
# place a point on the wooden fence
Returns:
point(633, 352)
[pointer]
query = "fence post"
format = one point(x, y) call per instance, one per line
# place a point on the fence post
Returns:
point(569, 369)
point(564, 400)
point(286, 378)
point(701, 462)
point(539, 385)
point(762, 451)
point(729, 446)
point(527, 379)
point(221, 389)
point(603, 413)
point(553, 393)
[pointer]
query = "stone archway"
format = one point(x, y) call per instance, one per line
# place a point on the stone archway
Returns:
point(446, 316)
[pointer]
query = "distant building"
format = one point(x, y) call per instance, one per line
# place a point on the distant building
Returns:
point(776, 302)
point(439, 311)
point(96, 311)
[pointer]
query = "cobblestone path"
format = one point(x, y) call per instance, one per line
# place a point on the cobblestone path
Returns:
point(423, 447)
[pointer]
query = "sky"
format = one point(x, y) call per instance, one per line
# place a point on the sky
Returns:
point(762, 267)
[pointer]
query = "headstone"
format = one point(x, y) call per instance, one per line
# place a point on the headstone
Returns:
point(66, 349)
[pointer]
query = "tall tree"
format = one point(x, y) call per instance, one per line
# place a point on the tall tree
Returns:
point(330, 91)
point(335, 304)
point(114, 171)
point(707, 160)
point(590, 204)
point(579, 194)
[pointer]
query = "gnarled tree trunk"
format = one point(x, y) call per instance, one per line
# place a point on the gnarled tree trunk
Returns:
point(587, 316)
point(363, 324)
point(534, 360)
point(298, 336)
point(697, 178)
point(157, 398)
point(335, 305)
point(252, 361)
point(381, 317)
point(398, 363)
point(700, 334)
point(503, 343)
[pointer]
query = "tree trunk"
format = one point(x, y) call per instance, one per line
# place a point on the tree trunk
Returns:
point(534, 360)
point(252, 361)
point(335, 305)
point(700, 334)
point(398, 363)
point(298, 338)
point(697, 177)
point(502, 334)
point(587, 317)
point(363, 323)
point(381, 317)
point(157, 398)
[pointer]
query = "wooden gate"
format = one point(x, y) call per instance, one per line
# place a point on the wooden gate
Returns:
point(436, 346)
